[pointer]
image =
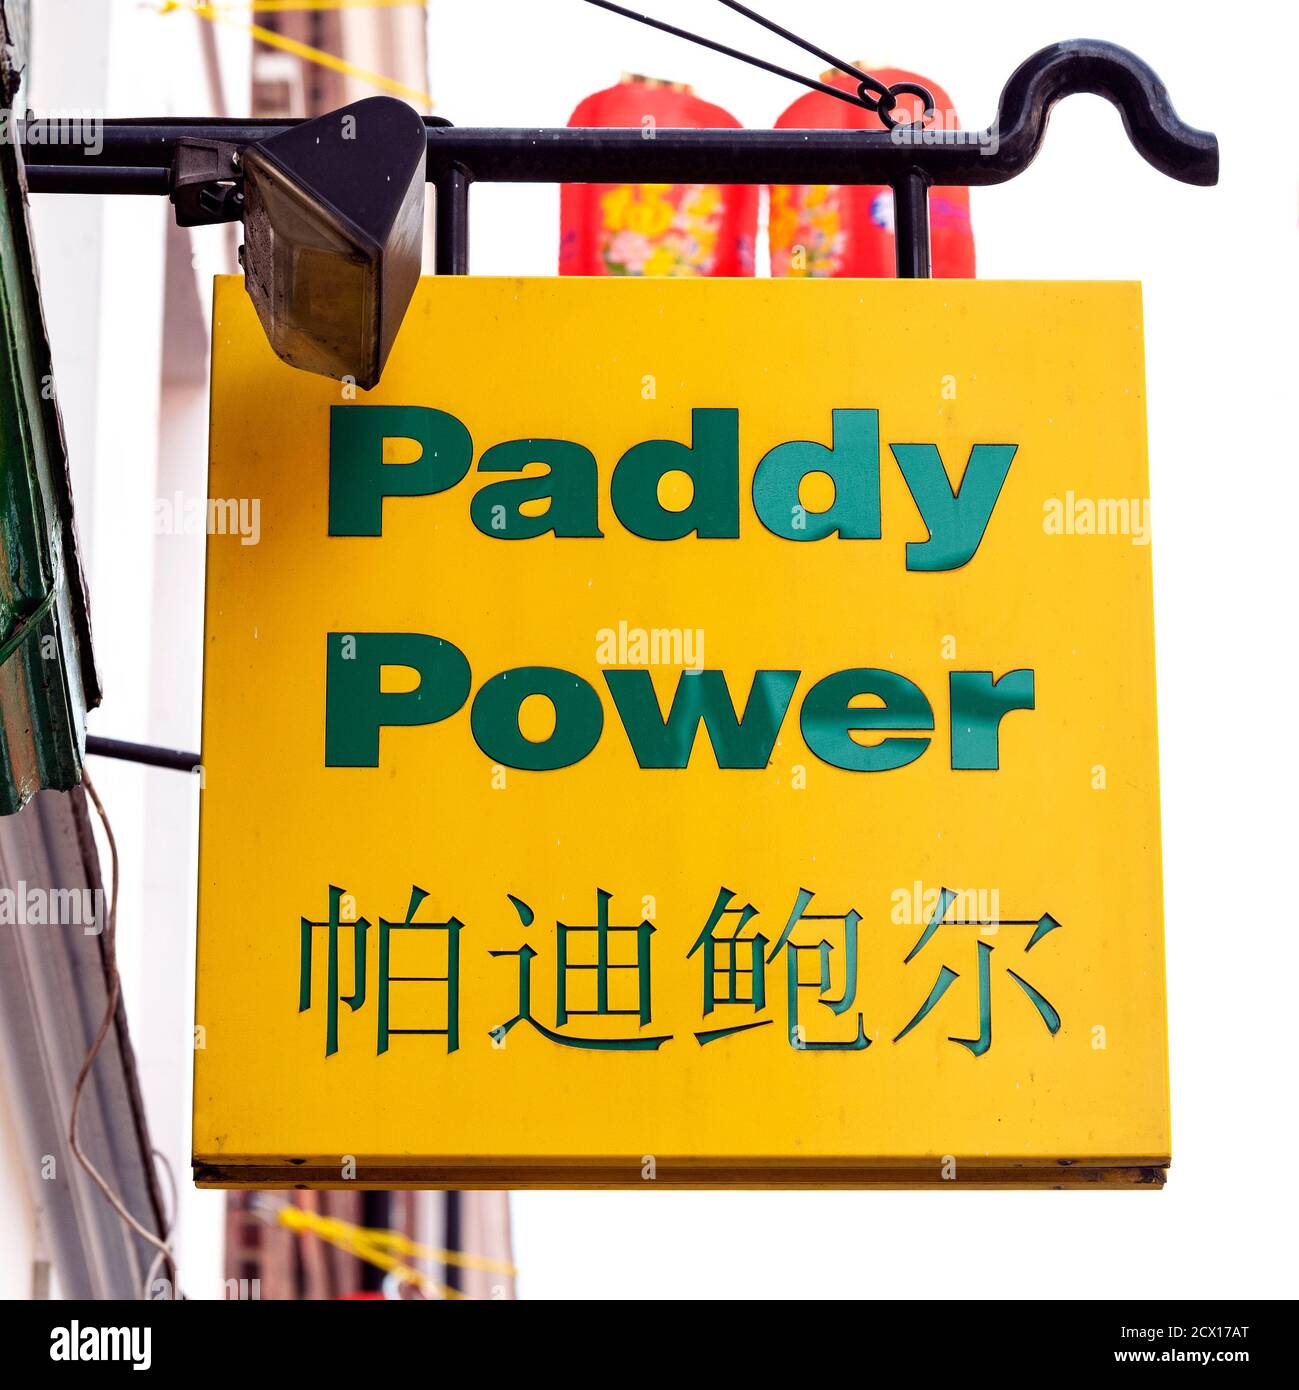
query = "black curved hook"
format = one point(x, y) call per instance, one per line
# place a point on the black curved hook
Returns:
point(1157, 133)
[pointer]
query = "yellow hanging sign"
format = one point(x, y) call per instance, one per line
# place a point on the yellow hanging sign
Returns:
point(685, 733)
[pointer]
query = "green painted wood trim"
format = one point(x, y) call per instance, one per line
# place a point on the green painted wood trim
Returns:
point(48, 678)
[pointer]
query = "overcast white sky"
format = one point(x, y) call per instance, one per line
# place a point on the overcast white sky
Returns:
point(1220, 277)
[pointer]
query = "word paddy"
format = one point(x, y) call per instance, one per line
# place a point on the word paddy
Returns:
point(362, 475)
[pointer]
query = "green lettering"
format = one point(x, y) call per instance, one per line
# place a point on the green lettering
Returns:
point(737, 742)
point(712, 461)
point(356, 707)
point(579, 718)
point(978, 706)
point(955, 518)
point(828, 719)
point(852, 461)
point(359, 479)
point(572, 485)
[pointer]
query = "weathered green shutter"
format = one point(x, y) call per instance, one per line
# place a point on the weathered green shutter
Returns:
point(47, 672)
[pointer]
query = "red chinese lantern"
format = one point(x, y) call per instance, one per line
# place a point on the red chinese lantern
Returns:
point(655, 228)
point(825, 229)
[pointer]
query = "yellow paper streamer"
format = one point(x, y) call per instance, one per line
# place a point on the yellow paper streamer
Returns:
point(218, 14)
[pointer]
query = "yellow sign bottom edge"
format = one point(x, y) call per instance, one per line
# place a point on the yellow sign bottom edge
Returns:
point(629, 1173)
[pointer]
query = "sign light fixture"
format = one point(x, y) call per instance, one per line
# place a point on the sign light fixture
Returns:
point(333, 217)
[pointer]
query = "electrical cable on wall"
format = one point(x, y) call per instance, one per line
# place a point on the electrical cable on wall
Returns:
point(110, 1012)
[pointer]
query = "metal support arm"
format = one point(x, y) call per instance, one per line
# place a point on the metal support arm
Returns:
point(160, 157)
point(137, 155)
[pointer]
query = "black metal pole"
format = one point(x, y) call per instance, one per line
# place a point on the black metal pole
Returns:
point(148, 753)
point(451, 213)
point(911, 226)
point(376, 1213)
point(458, 155)
point(97, 178)
point(453, 1238)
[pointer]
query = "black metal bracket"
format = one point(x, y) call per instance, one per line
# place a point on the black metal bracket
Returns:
point(140, 157)
point(206, 184)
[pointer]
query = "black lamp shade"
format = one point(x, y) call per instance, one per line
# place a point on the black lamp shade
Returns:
point(333, 222)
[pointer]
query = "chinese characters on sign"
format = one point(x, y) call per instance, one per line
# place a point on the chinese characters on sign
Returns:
point(614, 969)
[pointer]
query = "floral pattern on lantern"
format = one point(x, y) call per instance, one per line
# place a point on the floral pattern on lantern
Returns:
point(660, 228)
point(656, 228)
point(828, 230)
